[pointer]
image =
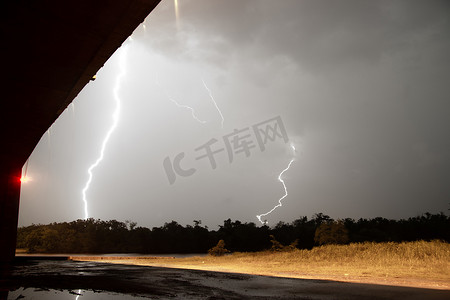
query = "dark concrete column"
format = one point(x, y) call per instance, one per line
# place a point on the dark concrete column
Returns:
point(9, 210)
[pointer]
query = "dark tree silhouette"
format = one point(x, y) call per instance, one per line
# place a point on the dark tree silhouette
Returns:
point(97, 236)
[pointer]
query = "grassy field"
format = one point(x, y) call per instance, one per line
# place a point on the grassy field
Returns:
point(421, 264)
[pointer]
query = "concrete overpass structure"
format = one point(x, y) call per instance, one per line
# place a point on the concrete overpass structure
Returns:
point(49, 50)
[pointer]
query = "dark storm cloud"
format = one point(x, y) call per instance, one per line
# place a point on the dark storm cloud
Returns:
point(314, 34)
point(362, 88)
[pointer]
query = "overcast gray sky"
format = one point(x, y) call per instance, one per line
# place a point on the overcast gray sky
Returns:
point(362, 88)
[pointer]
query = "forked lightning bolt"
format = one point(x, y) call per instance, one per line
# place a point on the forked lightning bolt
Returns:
point(280, 179)
point(194, 116)
point(193, 113)
point(177, 23)
point(214, 101)
point(187, 107)
point(122, 55)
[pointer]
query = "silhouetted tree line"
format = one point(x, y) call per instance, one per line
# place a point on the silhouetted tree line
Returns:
point(97, 236)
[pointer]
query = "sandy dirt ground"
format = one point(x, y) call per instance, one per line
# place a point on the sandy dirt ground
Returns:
point(168, 262)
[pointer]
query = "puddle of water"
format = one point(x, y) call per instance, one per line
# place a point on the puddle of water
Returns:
point(50, 294)
point(110, 254)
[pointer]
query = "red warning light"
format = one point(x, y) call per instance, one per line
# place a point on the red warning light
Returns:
point(25, 179)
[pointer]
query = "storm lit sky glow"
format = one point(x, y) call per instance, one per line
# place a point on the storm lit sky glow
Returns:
point(362, 88)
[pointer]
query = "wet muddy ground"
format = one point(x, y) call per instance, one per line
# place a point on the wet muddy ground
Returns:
point(47, 279)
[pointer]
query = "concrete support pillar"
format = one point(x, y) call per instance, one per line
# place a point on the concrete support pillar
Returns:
point(9, 210)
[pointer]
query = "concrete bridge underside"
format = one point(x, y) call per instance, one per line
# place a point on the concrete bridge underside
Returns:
point(49, 50)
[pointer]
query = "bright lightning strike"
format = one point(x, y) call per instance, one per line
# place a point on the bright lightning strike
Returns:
point(280, 179)
point(115, 117)
point(78, 294)
point(214, 101)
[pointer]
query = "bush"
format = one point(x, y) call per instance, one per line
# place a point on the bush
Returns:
point(219, 249)
point(276, 245)
point(279, 247)
point(331, 233)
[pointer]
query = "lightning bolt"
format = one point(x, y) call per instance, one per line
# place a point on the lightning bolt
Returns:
point(187, 107)
point(280, 179)
point(78, 294)
point(214, 101)
point(194, 116)
point(115, 118)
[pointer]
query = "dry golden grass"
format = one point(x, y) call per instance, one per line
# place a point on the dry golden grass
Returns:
point(425, 264)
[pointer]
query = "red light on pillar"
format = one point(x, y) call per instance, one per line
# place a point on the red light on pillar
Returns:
point(25, 179)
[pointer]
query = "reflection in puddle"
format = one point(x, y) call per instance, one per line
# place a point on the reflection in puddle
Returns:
point(50, 294)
